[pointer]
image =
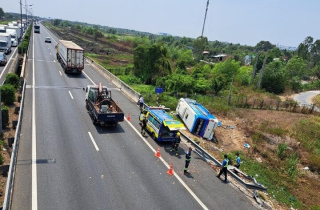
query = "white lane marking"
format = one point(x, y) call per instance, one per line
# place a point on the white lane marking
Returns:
point(168, 166)
point(34, 141)
point(4, 69)
point(54, 60)
point(94, 143)
point(162, 160)
point(60, 73)
point(50, 54)
point(88, 77)
point(70, 94)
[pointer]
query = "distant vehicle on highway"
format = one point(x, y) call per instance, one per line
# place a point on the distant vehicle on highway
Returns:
point(3, 58)
point(48, 39)
point(37, 29)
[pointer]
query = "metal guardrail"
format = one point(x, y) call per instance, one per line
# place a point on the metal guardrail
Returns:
point(210, 159)
point(15, 146)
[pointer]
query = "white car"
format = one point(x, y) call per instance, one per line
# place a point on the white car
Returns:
point(48, 39)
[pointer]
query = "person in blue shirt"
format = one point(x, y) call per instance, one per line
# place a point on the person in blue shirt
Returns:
point(188, 159)
point(237, 162)
point(224, 168)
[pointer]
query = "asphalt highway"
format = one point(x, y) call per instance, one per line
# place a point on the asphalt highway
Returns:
point(66, 162)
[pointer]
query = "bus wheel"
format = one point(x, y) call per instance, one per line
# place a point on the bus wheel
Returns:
point(95, 122)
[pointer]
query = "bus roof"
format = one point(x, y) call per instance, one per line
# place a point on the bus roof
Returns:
point(160, 113)
point(199, 109)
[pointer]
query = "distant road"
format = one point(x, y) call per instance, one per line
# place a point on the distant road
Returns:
point(305, 98)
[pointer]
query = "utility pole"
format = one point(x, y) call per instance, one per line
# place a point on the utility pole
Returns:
point(230, 92)
point(26, 6)
point(21, 28)
point(205, 17)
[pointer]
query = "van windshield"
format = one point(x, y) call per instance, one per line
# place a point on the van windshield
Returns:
point(13, 36)
point(2, 31)
point(3, 44)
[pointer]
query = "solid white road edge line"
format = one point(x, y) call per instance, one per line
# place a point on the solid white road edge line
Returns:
point(60, 73)
point(94, 143)
point(88, 77)
point(70, 94)
point(34, 141)
point(167, 165)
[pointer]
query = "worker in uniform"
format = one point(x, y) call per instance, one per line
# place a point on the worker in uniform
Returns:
point(224, 168)
point(144, 125)
point(188, 159)
point(175, 143)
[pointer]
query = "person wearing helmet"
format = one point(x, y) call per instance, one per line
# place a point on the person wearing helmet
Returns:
point(175, 143)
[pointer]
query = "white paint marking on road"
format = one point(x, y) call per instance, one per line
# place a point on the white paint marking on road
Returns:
point(70, 94)
point(168, 166)
point(94, 143)
point(54, 60)
point(4, 69)
point(50, 54)
point(88, 77)
point(34, 141)
point(60, 73)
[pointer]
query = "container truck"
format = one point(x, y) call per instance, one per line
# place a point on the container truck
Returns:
point(17, 29)
point(37, 29)
point(71, 56)
point(3, 28)
point(5, 44)
point(14, 39)
point(101, 107)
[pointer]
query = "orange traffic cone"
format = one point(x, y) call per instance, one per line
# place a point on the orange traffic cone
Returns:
point(158, 153)
point(128, 118)
point(170, 171)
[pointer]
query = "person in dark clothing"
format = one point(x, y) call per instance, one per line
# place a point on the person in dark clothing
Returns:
point(144, 126)
point(188, 159)
point(224, 168)
point(175, 143)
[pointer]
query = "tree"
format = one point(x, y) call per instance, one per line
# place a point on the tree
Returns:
point(229, 68)
point(264, 46)
point(151, 62)
point(274, 78)
point(295, 67)
point(218, 82)
point(1, 13)
point(56, 22)
point(97, 34)
point(199, 45)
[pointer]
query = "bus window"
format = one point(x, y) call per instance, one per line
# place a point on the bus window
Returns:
point(156, 123)
point(150, 118)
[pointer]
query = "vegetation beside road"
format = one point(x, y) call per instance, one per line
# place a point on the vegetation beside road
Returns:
point(280, 147)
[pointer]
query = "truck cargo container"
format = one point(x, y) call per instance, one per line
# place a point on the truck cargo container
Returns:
point(71, 56)
point(17, 29)
point(5, 44)
point(14, 39)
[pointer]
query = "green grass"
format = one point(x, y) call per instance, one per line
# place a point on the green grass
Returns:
point(273, 179)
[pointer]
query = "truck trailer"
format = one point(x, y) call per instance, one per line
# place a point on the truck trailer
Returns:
point(17, 29)
point(5, 44)
point(71, 56)
point(14, 39)
point(101, 107)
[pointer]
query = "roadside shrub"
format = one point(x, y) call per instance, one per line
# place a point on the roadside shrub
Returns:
point(8, 94)
point(292, 165)
point(281, 150)
point(12, 79)
point(5, 116)
point(1, 159)
point(314, 162)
